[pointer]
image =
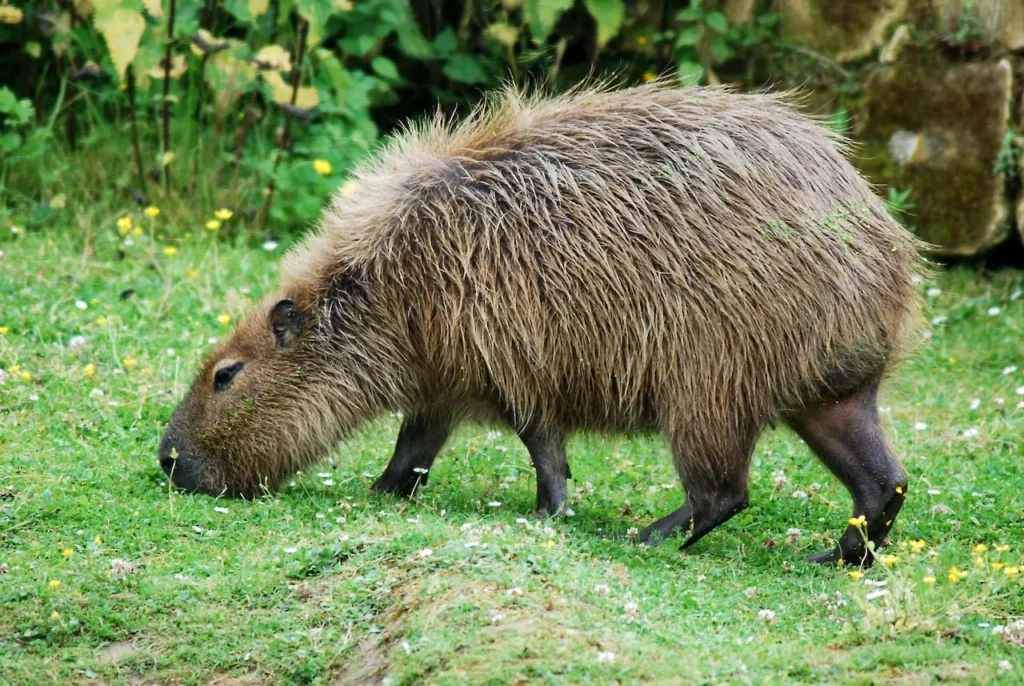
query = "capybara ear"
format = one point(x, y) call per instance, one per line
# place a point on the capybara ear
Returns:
point(285, 322)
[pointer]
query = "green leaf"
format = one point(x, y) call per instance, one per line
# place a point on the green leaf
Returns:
point(316, 13)
point(543, 15)
point(465, 69)
point(239, 9)
point(720, 49)
point(385, 68)
point(503, 33)
point(19, 112)
point(717, 21)
point(689, 36)
point(410, 39)
point(9, 142)
point(688, 73)
point(608, 14)
point(445, 43)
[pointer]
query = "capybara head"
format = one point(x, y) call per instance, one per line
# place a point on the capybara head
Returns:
point(259, 408)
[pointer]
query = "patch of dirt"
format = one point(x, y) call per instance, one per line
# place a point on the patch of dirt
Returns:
point(939, 674)
point(113, 653)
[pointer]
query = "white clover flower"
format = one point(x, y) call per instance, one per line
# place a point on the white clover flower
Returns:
point(993, 311)
point(920, 426)
point(606, 658)
point(976, 403)
point(767, 616)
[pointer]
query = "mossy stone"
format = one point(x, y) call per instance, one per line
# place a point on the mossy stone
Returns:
point(846, 29)
point(937, 128)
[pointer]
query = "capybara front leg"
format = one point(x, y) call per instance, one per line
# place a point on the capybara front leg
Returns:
point(847, 436)
point(419, 441)
point(547, 452)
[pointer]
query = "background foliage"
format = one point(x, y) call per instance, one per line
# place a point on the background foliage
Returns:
point(227, 104)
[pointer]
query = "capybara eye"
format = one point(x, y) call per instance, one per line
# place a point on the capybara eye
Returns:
point(222, 379)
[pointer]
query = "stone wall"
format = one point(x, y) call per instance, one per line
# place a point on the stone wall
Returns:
point(932, 90)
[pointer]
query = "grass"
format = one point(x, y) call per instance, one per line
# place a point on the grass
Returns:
point(109, 576)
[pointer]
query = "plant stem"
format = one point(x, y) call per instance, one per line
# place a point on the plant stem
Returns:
point(238, 145)
point(167, 103)
point(135, 130)
point(286, 135)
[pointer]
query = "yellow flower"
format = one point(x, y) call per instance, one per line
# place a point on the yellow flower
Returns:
point(152, 211)
point(147, 370)
point(856, 574)
point(25, 376)
point(192, 273)
point(54, 583)
point(954, 575)
point(999, 548)
point(642, 40)
point(68, 552)
point(979, 561)
point(124, 224)
point(347, 189)
point(170, 251)
point(213, 224)
point(890, 560)
point(137, 231)
point(649, 76)
point(980, 548)
point(858, 521)
point(129, 361)
point(101, 321)
point(224, 214)
point(97, 540)
point(1011, 571)
point(90, 369)
point(14, 368)
point(224, 319)
point(929, 580)
point(998, 565)
point(917, 546)
point(122, 86)
point(3, 330)
point(322, 167)
point(548, 544)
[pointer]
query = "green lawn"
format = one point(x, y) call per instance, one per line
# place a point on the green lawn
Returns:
point(110, 577)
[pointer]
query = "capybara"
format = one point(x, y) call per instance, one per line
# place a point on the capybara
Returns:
point(691, 261)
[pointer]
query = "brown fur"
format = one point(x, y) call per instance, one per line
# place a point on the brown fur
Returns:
point(691, 261)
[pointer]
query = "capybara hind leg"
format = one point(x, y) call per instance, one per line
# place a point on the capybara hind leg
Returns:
point(547, 452)
point(419, 441)
point(716, 489)
point(680, 520)
point(847, 436)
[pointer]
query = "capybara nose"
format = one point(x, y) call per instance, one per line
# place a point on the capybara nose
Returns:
point(167, 464)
